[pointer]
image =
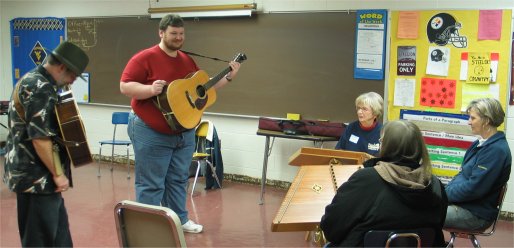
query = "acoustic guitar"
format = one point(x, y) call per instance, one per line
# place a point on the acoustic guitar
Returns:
point(72, 130)
point(186, 99)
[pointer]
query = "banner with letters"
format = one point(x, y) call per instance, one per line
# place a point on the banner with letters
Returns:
point(447, 137)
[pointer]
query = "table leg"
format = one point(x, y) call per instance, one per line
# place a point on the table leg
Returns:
point(264, 169)
point(318, 144)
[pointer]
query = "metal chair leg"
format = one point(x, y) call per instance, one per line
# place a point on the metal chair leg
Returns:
point(474, 241)
point(196, 177)
point(472, 238)
point(452, 240)
point(112, 158)
point(213, 170)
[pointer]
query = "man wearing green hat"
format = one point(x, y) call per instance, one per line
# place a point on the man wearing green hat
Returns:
point(30, 168)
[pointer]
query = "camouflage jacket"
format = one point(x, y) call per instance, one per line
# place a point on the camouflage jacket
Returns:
point(24, 170)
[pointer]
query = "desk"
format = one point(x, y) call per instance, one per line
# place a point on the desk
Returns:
point(303, 207)
point(267, 149)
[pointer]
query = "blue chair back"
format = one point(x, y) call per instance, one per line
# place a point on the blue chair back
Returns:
point(120, 118)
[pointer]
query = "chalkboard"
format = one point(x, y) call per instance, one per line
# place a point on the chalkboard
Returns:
point(297, 62)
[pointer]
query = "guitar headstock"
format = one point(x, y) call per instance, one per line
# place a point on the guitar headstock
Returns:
point(240, 57)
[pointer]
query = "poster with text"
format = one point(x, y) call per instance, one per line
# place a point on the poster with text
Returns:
point(406, 61)
point(479, 68)
point(370, 44)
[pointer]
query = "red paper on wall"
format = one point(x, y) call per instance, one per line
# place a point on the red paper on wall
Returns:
point(438, 92)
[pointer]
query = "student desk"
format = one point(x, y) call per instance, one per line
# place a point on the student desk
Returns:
point(318, 141)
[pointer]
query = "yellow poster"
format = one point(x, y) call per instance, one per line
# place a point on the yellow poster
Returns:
point(475, 91)
point(457, 32)
point(479, 68)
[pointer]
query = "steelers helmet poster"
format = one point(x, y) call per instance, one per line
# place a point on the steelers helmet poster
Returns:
point(438, 60)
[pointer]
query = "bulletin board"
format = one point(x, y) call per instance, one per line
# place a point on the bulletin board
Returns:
point(455, 56)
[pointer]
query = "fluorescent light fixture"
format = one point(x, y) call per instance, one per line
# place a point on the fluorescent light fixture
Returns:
point(205, 11)
point(218, 13)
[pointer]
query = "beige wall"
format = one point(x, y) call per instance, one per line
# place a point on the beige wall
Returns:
point(242, 149)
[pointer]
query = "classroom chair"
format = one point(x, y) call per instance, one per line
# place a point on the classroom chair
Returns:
point(143, 225)
point(118, 118)
point(202, 154)
point(419, 237)
point(454, 233)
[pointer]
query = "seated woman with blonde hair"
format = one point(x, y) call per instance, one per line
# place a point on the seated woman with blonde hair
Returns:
point(397, 192)
point(362, 135)
point(474, 192)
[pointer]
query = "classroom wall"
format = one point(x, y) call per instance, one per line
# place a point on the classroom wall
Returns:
point(242, 149)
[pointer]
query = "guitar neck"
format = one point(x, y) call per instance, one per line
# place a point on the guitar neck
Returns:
point(217, 78)
point(239, 58)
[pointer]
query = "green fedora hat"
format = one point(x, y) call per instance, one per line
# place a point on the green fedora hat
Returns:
point(72, 56)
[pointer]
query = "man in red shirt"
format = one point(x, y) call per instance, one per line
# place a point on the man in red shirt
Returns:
point(163, 155)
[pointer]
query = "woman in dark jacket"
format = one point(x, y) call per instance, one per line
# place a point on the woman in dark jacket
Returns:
point(474, 192)
point(397, 192)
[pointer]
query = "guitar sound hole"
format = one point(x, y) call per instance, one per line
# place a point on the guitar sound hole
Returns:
point(200, 91)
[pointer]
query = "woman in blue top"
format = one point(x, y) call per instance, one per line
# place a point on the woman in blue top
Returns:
point(363, 135)
point(474, 192)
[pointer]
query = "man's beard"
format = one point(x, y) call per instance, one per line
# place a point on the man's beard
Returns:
point(172, 47)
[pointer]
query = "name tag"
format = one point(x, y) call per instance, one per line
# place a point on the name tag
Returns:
point(374, 147)
point(354, 139)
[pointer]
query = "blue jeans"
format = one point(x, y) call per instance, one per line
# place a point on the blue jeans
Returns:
point(162, 165)
point(461, 218)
